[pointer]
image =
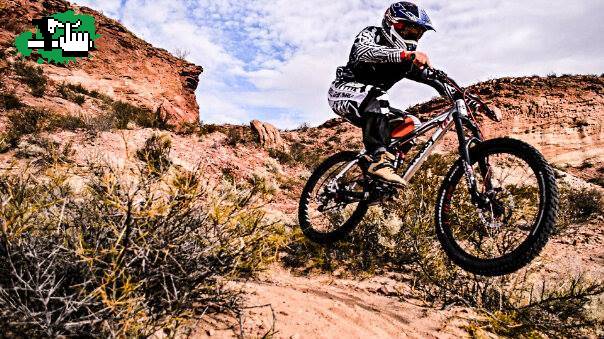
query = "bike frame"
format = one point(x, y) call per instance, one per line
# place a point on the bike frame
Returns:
point(454, 117)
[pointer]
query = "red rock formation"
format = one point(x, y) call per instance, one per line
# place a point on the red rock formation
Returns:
point(123, 66)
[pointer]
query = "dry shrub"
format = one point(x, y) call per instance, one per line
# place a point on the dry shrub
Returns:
point(578, 206)
point(33, 76)
point(156, 154)
point(298, 154)
point(126, 256)
point(20, 123)
point(31, 120)
point(123, 113)
point(237, 135)
point(45, 152)
point(70, 92)
point(9, 101)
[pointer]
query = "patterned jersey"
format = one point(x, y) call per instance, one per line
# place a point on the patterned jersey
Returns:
point(374, 61)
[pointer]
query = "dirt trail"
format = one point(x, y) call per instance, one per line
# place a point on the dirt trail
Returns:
point(325, 307)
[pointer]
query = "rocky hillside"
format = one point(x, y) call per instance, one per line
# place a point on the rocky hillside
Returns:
point(123, 66)
point(561, 115)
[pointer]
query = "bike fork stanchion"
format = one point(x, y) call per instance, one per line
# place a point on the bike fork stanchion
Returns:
point(465, 154)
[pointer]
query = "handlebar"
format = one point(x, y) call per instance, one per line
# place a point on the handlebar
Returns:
point(465, 95)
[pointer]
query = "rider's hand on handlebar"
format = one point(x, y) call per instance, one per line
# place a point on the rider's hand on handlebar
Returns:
point(420, 59)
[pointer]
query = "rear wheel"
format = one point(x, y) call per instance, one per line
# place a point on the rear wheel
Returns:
point(331, 207)
point(510, 230)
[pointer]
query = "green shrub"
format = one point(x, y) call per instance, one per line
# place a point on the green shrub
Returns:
point(33, 76)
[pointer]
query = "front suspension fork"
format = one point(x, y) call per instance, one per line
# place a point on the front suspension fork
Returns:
point(464, 151)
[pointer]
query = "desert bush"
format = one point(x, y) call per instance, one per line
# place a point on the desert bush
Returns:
point(126, 256)
point(240, 135)
point(281, 155)
point(579, 205)
point(9, 100)
point(298, 153)
point(156, 154)
point(78, 88)
point(123, 112)
point(200, 128)
point(33, 76)
point(31, 120)
point(45, 152)
point(68, 122)
point(597, 181)
point(181, 53)
point(70, 92)
point(22, 122)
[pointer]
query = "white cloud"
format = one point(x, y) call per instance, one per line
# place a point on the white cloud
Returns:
point(275, 59)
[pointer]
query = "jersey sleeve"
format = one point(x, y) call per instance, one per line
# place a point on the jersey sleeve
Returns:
point(365, 49)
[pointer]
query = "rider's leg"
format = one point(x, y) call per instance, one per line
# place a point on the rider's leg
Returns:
point(376, 137)
point(368, 107)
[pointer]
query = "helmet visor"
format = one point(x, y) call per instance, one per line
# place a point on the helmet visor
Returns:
point(409, 31)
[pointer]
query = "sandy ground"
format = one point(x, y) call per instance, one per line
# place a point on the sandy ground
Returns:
point(323, 306)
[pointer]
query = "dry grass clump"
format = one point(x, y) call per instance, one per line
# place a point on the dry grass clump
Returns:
point(129, 254)
point(156, 154)
point(33, 76)
point(45, 152)
point(298, 154)
point(8, 100)
point(30, 121)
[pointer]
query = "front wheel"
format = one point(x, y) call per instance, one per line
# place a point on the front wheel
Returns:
point(509, 230)
point(333, 201)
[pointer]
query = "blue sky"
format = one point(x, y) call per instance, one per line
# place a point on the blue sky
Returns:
point(274, 59)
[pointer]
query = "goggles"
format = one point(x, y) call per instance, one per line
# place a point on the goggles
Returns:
point(409, 31)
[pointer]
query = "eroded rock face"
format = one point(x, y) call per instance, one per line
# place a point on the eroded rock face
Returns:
point(123, 66)
point(561, 116)
point(268, 135)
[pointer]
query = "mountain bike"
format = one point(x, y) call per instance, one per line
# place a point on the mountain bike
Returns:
point(495, 209)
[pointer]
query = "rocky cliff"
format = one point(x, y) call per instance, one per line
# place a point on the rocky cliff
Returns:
point(560, 115)
point(123, 66)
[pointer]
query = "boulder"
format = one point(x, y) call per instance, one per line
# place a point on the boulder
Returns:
point(268, 135)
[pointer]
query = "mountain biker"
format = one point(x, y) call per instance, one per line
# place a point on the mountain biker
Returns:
point(381, 57)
